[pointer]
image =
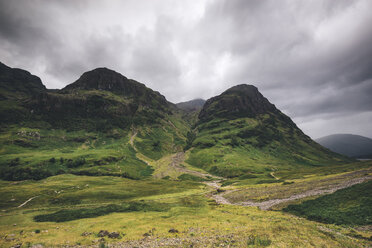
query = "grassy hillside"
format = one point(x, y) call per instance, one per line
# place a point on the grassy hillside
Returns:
point(107, 160)
point(232, 140)
point(86, 128)
point(351, 206)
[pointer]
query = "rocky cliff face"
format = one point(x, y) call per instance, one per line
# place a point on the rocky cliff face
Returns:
point(238, 101)
point(104, 79)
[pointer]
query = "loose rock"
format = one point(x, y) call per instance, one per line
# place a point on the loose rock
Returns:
point(172, 230)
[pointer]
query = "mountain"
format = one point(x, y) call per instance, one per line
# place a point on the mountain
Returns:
point(350, 145)
point(16, 83)
point(241, 133)
point(108, 119)
point(190, 110)
point(192, 105)
point(101, 119)
point(104, 79)
point(102, 98)
point(238, 101)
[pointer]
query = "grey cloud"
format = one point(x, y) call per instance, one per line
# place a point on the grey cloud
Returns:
point(312, 59)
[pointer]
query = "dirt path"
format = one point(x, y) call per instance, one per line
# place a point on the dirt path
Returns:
point(132, 137)
point(178, 159)
point(272, 174)
point(27, 201)
point(266, 205)
point(140, 156)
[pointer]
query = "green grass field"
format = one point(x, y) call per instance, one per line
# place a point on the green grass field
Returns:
point(350, 206)
point(62, 188)
point(181, 205)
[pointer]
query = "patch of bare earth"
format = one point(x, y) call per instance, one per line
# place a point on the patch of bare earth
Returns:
point(349, 180)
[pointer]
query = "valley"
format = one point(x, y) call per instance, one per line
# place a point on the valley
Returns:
point(108, 162)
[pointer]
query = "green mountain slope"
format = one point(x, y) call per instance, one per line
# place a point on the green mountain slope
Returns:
point(190, 110)
point(100, 123)
point(94, 126)
point(240, 133)
point(101, 98)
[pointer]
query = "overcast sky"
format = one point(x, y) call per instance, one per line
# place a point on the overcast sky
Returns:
point(312, 59)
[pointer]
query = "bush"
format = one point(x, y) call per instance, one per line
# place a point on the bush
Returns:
point(287, 183)
point(156, 146)
point(234, 141)
point(52, 160)
point(247, 176)
point(189, 177)
point(190, 139)
point(75, 163)
point(75, 214)
point(14, 162)
point(18, 174)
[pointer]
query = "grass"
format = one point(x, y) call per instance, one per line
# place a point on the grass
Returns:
point(190, 177)
point(257, 241)
point(69, 205)
point(71, 190)
point(248, 190)
point(32, 153)
point(240, 146)
point(87, 181)
point(75, 214)
point(199, 219)
point(350, 206)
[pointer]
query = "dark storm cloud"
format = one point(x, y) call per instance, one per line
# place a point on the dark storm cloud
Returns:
point(313, 59)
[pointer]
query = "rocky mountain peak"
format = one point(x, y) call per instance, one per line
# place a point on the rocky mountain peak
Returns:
point(101, 79)
point(17, 80)
point(238, 101)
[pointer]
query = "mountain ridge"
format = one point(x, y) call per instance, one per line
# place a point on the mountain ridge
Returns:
point(350, 145)
point(237, 133)
point(240, 132)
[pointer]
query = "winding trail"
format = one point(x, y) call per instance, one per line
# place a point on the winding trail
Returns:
point(141, 157)
point(27, 201)
point(272, 174)
point(132, 137)
point(178, 159)
point(219, 195)
point(267, 205)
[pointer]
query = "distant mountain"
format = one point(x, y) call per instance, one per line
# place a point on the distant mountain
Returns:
point(351, 145)
point(240, 132)
point(192, 105)
point(190, 110)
